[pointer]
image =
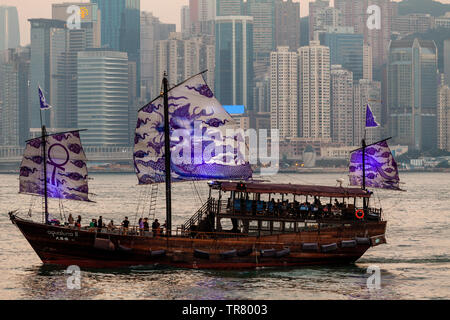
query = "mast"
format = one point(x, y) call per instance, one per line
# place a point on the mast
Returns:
point(44, 155)
point(167, 156)
point(364, 146)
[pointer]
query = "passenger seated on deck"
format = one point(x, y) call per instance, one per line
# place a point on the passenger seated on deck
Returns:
point(237, 205)
point(111, 226)
point(78, 222)
point(271, 206)
point(146, 225)
point(70, 220)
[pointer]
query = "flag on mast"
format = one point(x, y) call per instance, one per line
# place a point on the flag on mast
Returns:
point(44, 104)
point(370, 119)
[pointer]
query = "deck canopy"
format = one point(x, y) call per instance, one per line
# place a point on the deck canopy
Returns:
point(295, 189)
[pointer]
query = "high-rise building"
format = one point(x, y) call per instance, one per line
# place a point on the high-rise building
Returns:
point(234, 60)
point(90, 19)
point(261, 95)
point(102, 107)
point(412, 92)
point(412, 23)
point(120, 24)
point(447, 61)
point(366, 92)
point(367, 63)
point(152, 30)
point(66, 43)
point(284, 92)
point(229, 7)
point(14, 87)
point(9, 28)
point(314, 84)
point(185, 20)
point(443, 21)
point(346, 49)
point(287, 24)
point(443, 118)
point(202, 15)
point(341, 89)
point(375, 27)
point(46, 43)
point(183, 58)
point(322, 16)
point(263, 13)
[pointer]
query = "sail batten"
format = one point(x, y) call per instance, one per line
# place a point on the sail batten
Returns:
point(67, 175)
point(381, 169)
point(202, 146)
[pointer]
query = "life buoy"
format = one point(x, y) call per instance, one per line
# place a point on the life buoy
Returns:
point(359, 212)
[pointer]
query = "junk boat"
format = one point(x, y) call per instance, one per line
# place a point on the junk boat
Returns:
point(244, 224)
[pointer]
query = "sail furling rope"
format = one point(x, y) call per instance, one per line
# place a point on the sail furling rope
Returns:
point(67, 175)
point(205, 142)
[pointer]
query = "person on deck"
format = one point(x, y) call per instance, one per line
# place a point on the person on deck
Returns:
point(100, 224)
point(70, 220)
point(141, 226)
point(125, 224)
point(111, 226)
point(78, 222)
point(146, 225)
point(155, 227)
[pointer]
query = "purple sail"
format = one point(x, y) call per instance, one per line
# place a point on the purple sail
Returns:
point(195, 117)
point(67, 176)
point(380, 167)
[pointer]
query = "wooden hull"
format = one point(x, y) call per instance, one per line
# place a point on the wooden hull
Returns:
point(65, 246)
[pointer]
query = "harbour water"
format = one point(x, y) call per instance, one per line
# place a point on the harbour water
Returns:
point(415, 264)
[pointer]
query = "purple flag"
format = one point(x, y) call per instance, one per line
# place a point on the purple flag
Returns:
point(370, 119)
point(44, 104)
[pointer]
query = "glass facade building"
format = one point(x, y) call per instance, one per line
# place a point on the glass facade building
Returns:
point(234, 60)
point(347, 50)
point(9, 28)
point(412, 92)
point(121, 28)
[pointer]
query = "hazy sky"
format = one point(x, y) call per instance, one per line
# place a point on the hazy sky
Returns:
point(166, 10)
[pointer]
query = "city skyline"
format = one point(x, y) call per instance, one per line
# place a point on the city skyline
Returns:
point(166, 12)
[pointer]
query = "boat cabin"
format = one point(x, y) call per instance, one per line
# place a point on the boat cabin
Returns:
point(256, 208)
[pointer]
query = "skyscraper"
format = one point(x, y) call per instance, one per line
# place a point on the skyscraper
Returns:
point(355, 14)
point(341, 105)
point(314, 83)
point(66, 44)
point(447, 61)
point(45, 44)
point(263, 13)
point(234, 60)
point(284, 92)
point(183, 58)
point(229, 7)
point(443, 116)
point(9, 28)
point(322, 16)
point(412, 92)
point(103, 107)
point(202, 15)
point(366, 92)
point(14, 87)
point(346, 49)
point(152, 30)
point(121, 28)
point(287, 24)
point(185, 20)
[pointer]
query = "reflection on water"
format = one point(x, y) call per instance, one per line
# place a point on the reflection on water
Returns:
point(414, 263)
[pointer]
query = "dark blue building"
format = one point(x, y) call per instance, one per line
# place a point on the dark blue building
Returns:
point(121, 29)
point(346, 49)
